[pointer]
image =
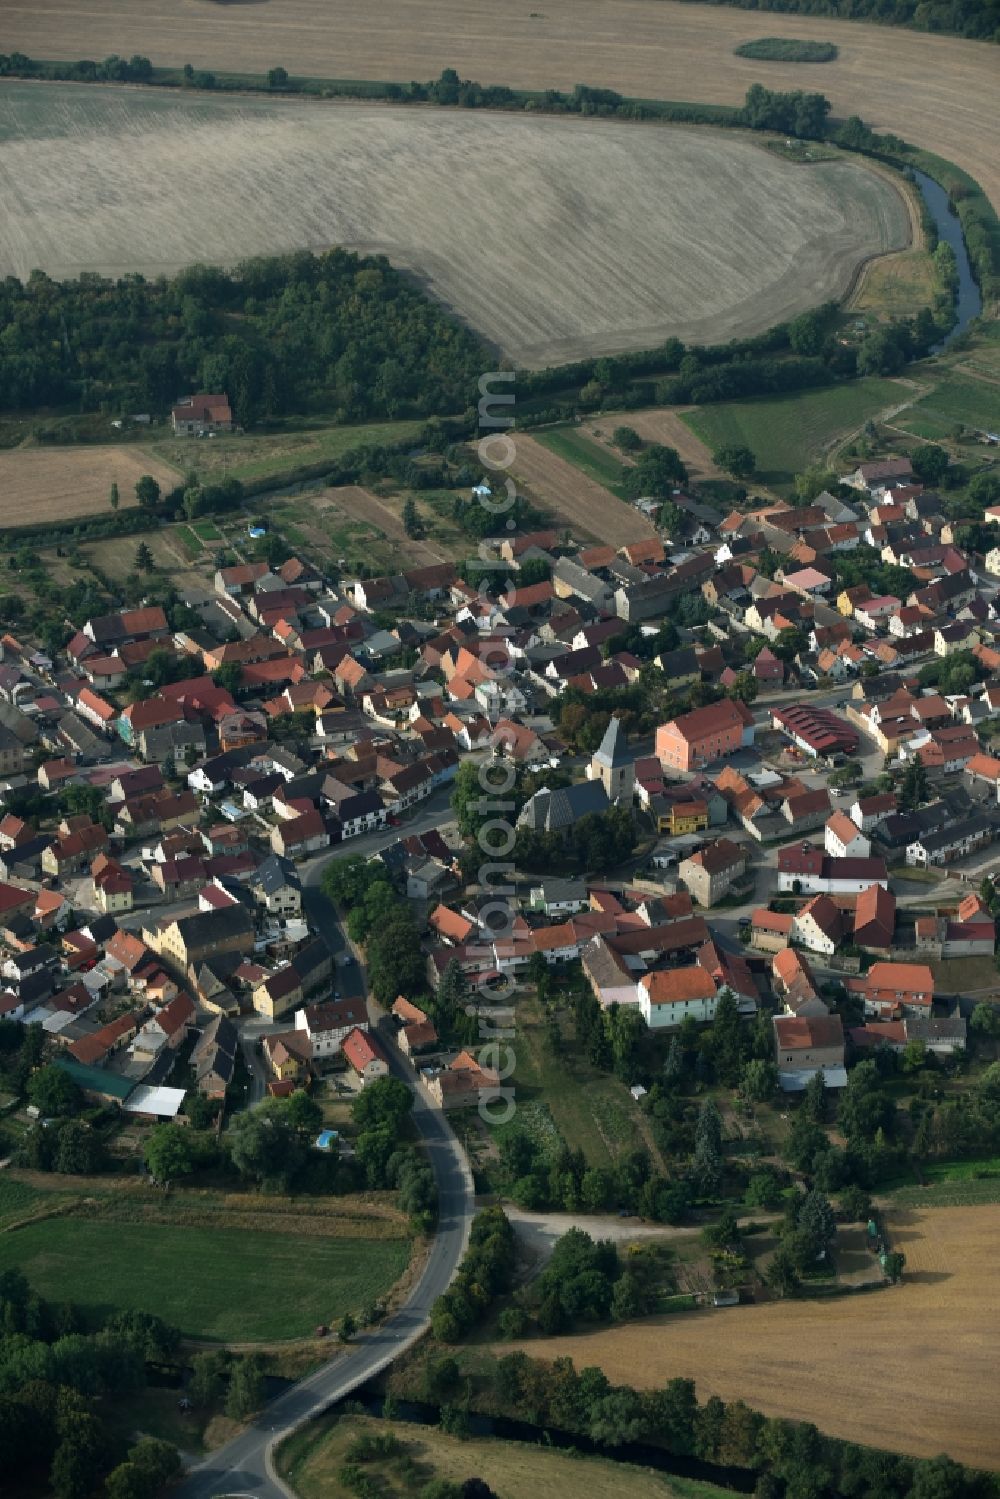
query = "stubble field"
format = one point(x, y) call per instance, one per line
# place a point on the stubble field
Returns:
point(553, 238)
point(938, 92)
point(911, 1367)
point(573, 499)
point(47, 484)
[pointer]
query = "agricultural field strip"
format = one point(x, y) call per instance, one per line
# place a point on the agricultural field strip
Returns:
point(584, 505)
point(938, 92)
point(621, 231)
point(789, 432)
point(47, 484)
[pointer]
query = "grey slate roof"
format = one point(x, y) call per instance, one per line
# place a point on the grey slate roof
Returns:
point(972, 827)
point(614, 750)
point(551, 811)
point(277, 874)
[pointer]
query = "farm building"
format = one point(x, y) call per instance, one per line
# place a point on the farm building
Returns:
point(194, 415)
point(816, 731)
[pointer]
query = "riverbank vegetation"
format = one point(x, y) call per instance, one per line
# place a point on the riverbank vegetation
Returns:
point(322, 1461)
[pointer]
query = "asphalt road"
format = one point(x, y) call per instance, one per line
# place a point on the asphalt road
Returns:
point(244, 1466)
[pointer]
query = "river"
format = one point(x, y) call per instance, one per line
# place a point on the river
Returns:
point(970, 302)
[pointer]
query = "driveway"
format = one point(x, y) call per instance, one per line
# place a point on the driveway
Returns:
point(538, 1232)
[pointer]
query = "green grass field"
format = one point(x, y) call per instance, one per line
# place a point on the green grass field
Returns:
point(589, 1109)
point(206, 530)
point(589, 457)
point(188, 542)
point(249, 456)
point(957, 399)
point(788, 433)
point(16, 1198)
point(216, 1283)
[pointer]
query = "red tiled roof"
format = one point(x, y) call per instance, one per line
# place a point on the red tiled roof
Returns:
point(360, 1049)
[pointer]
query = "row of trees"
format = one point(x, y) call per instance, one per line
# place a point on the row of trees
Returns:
point(486, 1271)
point(113, 69)
point(791, 1458)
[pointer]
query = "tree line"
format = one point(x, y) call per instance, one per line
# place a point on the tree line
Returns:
point(970, 18)
point(791, 1458)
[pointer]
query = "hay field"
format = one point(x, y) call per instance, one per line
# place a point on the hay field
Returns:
point(47, 484)
point(553, 238)
point(574, 500)
point(912, 1367)
point(938, 92)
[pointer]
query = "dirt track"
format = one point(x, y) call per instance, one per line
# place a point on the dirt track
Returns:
point(586, 507)
point(939, 92)
point(912, 1367)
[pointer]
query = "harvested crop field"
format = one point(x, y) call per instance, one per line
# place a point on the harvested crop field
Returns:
point(622, 236)
point(49, 484)
point(660, 424)
point(931, 1342)
point(937, 91)
point(586, 507)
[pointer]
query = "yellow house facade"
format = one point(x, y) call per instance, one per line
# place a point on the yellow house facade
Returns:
point(683, 817)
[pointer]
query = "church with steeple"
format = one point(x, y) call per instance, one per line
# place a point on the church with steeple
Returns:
point(614, 765)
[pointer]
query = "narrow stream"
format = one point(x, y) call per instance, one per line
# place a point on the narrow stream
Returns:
point(949, 228)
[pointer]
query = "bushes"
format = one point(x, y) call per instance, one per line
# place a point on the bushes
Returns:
point(485, 1272)
point(786, 49)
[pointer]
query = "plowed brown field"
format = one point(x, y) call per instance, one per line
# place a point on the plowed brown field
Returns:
point(912, 1367)
point(939, 92)
point(586, 507)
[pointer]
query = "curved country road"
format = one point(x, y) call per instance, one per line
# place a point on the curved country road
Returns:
point(244, 1466)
